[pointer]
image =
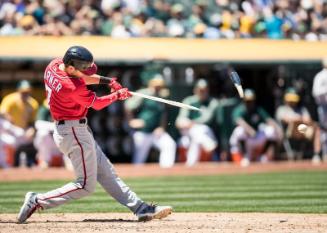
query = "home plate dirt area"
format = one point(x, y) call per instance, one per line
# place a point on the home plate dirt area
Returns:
point(176, 222)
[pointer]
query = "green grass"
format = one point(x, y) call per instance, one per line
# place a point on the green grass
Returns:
point(292, 192)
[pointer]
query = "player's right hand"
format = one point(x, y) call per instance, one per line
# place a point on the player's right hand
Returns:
point(123, 94)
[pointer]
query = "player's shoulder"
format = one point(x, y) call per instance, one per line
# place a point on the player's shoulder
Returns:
point(54, 70)
point(13, 97)
point(191, 99)
point(213, 101)
point(55, 62)
point(282, 108)
point(321, 74)
point(240, 108)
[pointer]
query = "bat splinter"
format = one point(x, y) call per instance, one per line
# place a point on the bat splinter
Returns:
point(237, 83)
point(170, 102)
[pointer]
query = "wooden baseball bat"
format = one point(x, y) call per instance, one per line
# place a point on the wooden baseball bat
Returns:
point(170, 102)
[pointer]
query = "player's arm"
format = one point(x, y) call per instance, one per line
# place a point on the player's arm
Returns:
point(103, 101)
point(184, 112)
point(208, 114)
point(95, 79)
point(238, 118)
point(248, 128)
point(6, 106)
point(277, 127)
point(90, 78)
point(89, 99)
point(270, 121)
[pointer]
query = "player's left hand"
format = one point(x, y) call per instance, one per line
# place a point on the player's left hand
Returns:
point(115, 86)
point(123, 94)
point(29, 134)
point(158, 131)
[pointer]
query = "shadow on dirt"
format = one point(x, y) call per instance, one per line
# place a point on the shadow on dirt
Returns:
point(85, 220)
point(109, 220)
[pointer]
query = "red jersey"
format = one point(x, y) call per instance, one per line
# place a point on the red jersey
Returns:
point(68, 97)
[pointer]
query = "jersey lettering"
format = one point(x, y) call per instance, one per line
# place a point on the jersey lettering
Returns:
point(52, 82)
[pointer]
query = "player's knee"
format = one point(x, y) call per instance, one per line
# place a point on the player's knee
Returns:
point(90, 187)
point(171, 143)
point(87, 185)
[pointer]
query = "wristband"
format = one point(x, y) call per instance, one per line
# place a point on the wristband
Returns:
point(105, 80)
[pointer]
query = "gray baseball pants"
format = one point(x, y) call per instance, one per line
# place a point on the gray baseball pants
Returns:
point(76, 140)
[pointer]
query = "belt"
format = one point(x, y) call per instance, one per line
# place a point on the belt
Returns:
point(81, 121)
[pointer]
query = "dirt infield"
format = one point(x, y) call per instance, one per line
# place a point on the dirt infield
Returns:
point(152, 170)
point(177, 222)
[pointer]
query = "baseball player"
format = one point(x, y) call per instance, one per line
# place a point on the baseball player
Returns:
point(43, 141)
point(255, 131)
point(12, 136)
point(149, 122)
point(195, 126)
point(319, 92)
point(69, 100)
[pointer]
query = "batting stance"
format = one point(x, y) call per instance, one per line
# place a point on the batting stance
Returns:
point(69, 100)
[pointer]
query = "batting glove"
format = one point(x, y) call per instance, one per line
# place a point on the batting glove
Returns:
point(115, 85)
point(123, 94)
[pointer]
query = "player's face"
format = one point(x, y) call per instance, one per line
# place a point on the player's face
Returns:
point(203, 93)
point(250, 104)
point(85, 66)
point(74, 70)
point(25, 95)
point(82, 65)
point(157, 88)
point(71, 71)
point(292, 104)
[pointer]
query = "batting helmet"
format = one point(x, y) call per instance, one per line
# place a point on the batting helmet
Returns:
point(79, 57)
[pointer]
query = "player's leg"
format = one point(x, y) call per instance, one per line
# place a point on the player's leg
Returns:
point(24, 144)
point(79, 145)
point(3, 163)
point(324, 144)
point(322, 116)
point(44, 142)
point(316, 159)
point(42, 147)
point(183, 144)
point(193, 153)
point(203, 135)
point(167, 147)
point(255, 146)
point(238, 144)
point(142, 144)
point(113, 185)
point(117, 188)
point(6, 140)
point(270, 148)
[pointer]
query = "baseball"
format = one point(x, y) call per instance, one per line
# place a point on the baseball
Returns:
point(302, 128)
